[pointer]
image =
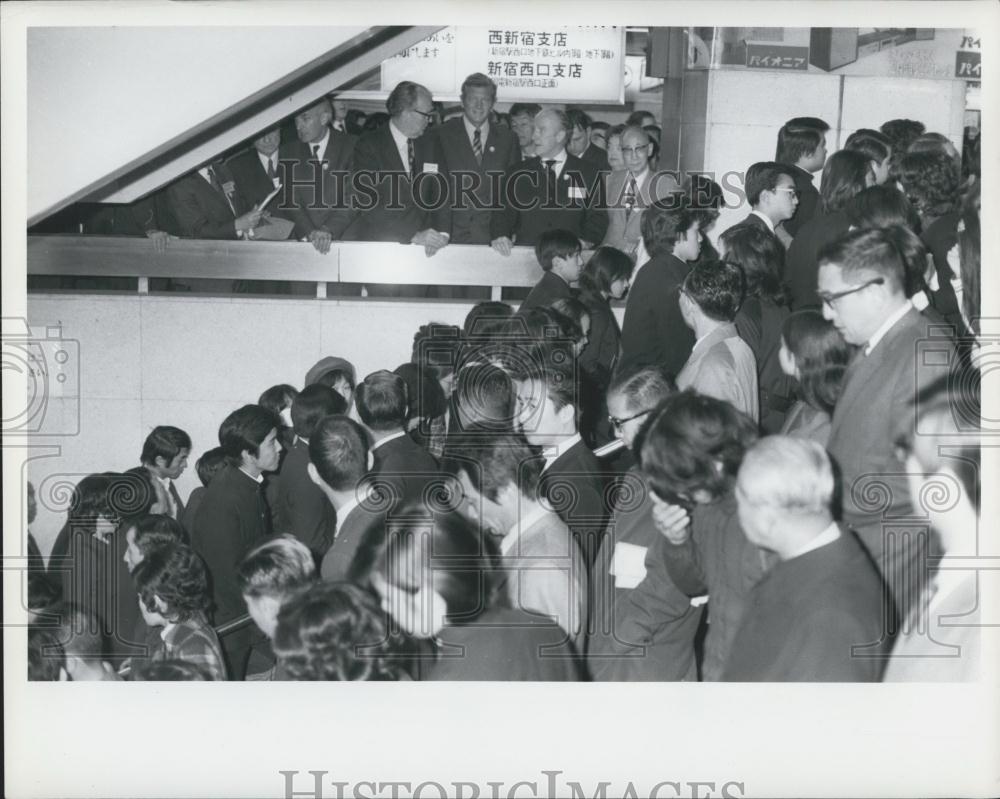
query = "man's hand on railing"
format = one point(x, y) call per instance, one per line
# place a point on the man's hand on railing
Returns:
point(248, 221)
point(321, 240)
point(159, 239)
point(502, 245)
point(431, 240)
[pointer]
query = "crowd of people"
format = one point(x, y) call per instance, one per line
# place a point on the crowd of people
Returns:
point(715, 490)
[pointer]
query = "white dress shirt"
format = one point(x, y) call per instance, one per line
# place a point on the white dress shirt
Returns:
point(552, 454)
point(401, 140)
point(766, 218)
point(470, 130)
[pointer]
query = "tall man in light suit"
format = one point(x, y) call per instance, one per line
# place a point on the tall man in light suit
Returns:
point(861, 287)
point(632, 189)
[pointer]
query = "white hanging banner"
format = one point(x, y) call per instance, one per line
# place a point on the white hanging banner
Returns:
point(544, 64)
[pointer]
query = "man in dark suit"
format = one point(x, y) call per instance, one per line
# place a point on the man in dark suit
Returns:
point(559, 254)
point(773, 197)
point(316, 170)
point(165, 455)
point(802, 148)
point(579, 143)
point(401, 465)
point(339, 460)
point(299, 506)
point(256, 170)
point(861, 286)
point(476, 157)
point(233, 517)
point(810, 612)
point(207, 205)
point(397, 193)
point(654, 332)
point(552, 190)
point(572, 478)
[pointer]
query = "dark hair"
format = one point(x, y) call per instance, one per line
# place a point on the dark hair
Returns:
point(312, 404)
point(210, 464)
point(556, 243)
point(376, 120)
point(694, 443)
point(277, 398)
point(43, 591)
point(601, 126)
point(871, 144)
point(901, 133)
point(606, 266)
point(932, 181)
point(426, 397)
point(617, 130)
point(485, 317)
point(436, 347)
point(279, 567)
point(662, 227)
point(520, 109)
point(79, 631)
point(761, 256)
point(244, 430)
point(882, 206)
point(704, 196)
point(859, 253)
point(403, 97)
point(164, 442)
point(577, 118)
point(483, 399)
point(970, 255)
point(110, 495)
point(477, 80)
point(46, 658)
point(636, 117)
point(133, 494)
point(644, 388)
point(573, 311)
point(717, 287)
point(382, 401)
point(763, 176)
point(797, 141)
point(172, 670)
point(338, 448)
point(821, 355)
point(155, 531)
point(336, 631)
point(177, 575)
point(494, 462)
point(461, 559)
point(354, 121)
point(843, 177)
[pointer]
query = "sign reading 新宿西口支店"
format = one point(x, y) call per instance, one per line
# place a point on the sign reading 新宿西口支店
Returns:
point(544, 64)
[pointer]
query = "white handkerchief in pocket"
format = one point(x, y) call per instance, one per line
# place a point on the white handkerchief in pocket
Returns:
point(430, 168)
point(628, 565)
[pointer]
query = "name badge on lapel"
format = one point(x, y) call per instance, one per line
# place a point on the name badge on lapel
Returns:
point(577, 193)
point(431, 168)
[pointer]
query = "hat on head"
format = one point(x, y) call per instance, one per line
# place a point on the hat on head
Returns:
point(329, 364)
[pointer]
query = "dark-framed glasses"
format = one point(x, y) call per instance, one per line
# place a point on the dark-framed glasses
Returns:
point(425, 114)
point(618, 422)
point(830, 297)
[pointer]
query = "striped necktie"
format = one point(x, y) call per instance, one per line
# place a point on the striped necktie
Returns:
point(477, 145)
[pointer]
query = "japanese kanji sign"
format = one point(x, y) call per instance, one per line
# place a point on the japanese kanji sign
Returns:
point(542, 64)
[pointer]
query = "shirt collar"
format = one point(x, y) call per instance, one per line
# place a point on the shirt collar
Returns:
point(640, 177)
point(322, 144)
point(470, 129)
point(552, 454)
point(559, 158)
point(258, 479)
point(268, 159)
point(720, 332)
point(397, 135)
point(522, 523)
point(879, 334)
point(765, 217)
point(388, 438)
point(828, 536)
point(344, 510)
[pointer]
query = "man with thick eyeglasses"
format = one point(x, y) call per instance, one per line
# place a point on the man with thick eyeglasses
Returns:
point(632, 189)
point(772, 195)
point(861, 285)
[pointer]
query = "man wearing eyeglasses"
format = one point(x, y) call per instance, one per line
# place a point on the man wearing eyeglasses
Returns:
point(773, 197)
point(396, 166)
point(861, 286)
point(632, 189)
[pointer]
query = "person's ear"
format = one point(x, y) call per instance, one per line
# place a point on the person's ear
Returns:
point(567, 413)
point(161, 607)
point(371, 460)
point(314, 475)
point(160, 462)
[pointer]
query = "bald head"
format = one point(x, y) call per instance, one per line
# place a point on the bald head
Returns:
point(313, 123)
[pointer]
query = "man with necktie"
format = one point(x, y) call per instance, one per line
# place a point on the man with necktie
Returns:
point(316, 169)
point(208, 206)
point(632, 189)
point(553, 190)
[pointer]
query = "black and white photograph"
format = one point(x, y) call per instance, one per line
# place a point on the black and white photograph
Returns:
point(613, 384)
